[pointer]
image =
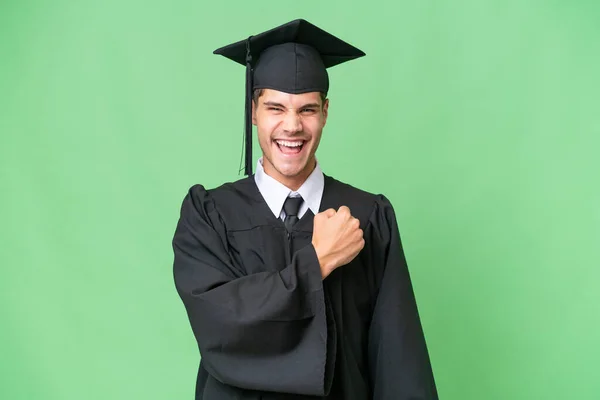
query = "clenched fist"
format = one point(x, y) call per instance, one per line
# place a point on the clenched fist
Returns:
point(337, 238)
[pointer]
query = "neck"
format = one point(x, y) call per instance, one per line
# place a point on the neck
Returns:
point(292, 182)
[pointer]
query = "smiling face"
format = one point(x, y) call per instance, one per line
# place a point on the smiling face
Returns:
point(289, 131)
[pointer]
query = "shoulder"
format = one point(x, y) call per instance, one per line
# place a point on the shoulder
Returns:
point(359, 199)
point(225, 192)
point(227, 202)
point(374, 210)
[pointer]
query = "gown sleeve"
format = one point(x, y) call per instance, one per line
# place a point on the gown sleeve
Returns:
point(265, 331)
point(399, 363)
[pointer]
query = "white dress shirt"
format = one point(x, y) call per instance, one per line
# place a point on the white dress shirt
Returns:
point(275, 193)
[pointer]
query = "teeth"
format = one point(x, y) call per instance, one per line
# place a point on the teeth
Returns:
point(289, 144)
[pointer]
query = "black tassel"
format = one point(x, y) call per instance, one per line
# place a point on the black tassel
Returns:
point(248, 113)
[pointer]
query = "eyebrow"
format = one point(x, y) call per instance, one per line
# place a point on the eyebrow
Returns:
point(311, 105)
point(274, 104)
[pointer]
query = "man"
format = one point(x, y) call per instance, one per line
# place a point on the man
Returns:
point(295, 284)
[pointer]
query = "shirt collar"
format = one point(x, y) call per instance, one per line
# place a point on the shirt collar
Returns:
point(275, 193)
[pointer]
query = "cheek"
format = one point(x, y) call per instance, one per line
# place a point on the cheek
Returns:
point(314, 127)
point(266, 123)
point(265, 127)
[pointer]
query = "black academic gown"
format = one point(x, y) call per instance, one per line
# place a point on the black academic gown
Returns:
point(268, 326)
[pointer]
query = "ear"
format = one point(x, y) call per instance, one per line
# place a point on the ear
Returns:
point(325, 111)
point(253, 113)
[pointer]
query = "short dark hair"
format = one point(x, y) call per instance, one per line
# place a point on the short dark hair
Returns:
point(259, 92)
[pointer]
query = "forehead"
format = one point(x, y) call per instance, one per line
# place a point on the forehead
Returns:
point(290, 100)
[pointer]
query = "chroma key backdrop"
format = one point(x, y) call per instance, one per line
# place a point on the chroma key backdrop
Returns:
point(479, 120)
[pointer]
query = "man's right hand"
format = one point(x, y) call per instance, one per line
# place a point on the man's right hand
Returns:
point(337, 238)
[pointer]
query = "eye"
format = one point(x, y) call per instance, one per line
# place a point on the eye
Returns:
point(308, 111)
point(275, 109)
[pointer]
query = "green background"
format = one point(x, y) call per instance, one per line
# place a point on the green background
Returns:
point(478, 119)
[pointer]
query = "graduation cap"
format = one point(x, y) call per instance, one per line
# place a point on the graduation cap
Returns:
point(291, 58)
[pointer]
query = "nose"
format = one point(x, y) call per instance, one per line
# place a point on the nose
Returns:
point(292, 122)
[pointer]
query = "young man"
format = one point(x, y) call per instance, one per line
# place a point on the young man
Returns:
point(295, 284)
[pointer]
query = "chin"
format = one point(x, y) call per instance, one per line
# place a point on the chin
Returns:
point(291, 170)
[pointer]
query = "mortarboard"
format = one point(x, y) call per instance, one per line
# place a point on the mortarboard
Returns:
point(291, 58)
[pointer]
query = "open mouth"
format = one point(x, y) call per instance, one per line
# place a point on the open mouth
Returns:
point(290, 147)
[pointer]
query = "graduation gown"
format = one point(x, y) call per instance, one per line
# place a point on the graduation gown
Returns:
point(268, 326)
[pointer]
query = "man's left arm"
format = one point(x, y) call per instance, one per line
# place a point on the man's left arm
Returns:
point(399, 362)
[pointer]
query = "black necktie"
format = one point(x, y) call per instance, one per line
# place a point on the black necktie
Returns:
point(291, 208)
